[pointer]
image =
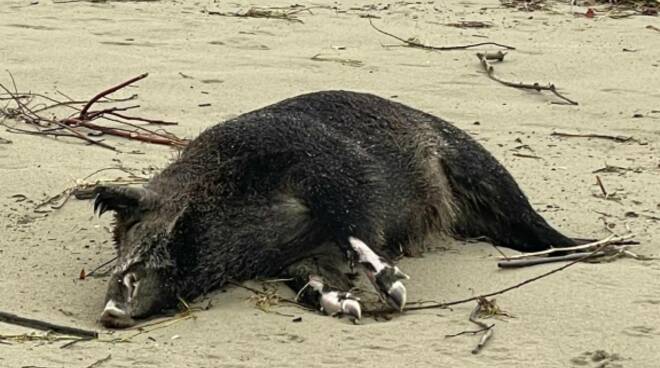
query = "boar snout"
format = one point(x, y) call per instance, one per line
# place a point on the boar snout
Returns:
point(134, 294)
point(115, 315)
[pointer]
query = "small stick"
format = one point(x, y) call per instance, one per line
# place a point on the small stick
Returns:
point(514, 263)
point(73, 342)
point(99, 362)
point(525, 155)
point(488, 329)
point(418, 45)
point(490, 71)
point(602, 187)
point(45, 326)
point(149, 121)
point(100, 95)
point(616, 138)
point(473, 332)
point(497, 56)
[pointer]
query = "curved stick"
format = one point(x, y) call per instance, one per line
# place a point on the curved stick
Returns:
point(46, 326)
point(438, 48)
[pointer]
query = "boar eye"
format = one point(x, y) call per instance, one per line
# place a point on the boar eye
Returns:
point(131, 283)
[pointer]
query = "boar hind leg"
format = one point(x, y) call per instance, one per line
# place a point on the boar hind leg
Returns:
point(322, 282)
point(489, 201)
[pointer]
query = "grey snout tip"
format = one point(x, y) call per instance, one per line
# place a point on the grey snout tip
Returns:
point(115, 316)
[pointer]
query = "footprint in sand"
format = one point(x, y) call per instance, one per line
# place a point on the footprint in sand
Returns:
point(598, 359)
point(641, 331)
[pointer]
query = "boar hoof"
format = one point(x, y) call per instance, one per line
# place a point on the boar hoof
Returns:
point(385, 276)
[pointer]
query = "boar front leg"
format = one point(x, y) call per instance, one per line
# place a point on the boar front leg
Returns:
point(384, 275)
point(322, 282)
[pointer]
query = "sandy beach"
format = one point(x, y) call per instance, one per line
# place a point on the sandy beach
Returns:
point(205, 68)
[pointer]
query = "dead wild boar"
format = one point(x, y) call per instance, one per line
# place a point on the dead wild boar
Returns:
point(299, 188)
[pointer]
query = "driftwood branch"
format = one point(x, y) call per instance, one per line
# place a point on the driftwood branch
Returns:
point(412, 43)
point(595, 245)
point(46, 326)
point(490, 71)
point(515, 263)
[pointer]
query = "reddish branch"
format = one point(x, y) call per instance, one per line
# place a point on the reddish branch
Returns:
point(83, 112)
point(148, 137)
point(85, 117)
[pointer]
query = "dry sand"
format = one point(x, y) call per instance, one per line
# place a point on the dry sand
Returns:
point(239, 64)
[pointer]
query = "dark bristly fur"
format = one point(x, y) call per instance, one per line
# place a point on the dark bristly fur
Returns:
point(262, 194)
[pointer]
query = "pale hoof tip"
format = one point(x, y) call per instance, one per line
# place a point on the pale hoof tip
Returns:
point(396, 296)
point(351, 307)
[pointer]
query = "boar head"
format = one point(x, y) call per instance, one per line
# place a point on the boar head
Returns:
point(144, 277)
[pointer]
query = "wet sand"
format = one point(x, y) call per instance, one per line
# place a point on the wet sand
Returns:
point(239, 64)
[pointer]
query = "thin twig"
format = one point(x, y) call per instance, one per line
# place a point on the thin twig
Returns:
point(74, 102)
point(616, 138)
point(99, 362)
point(150, 121)
point(470, 332)
point(92, 272)
point(75, 341)
point(411, 43)
point(490, 71)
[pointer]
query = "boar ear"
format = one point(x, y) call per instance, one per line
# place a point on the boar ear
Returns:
point(123, 200)
point(179, 222)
